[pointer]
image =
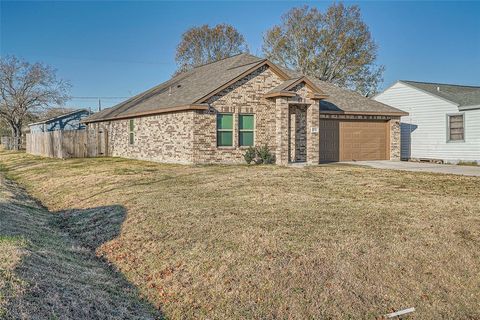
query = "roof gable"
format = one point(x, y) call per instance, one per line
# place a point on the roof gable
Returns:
point(285, 88)
point(254, 67)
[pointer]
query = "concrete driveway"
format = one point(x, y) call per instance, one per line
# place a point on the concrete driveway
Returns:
point(420, 166)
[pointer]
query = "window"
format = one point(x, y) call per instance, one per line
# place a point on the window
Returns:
point(131, 133)
point(456, 130)
point(246, 124)
point(224, 130)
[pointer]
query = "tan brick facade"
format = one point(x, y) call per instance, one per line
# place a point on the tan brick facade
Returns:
point(289, 126)
point(245, 96)
point(164, 138)
point(281, 130)
point(395, 139)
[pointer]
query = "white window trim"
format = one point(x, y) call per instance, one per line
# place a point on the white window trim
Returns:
point(448, 127)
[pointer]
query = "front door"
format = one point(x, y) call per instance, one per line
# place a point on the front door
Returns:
point(298, 133)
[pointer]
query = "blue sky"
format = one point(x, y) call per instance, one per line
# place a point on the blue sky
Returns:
point(118, 49)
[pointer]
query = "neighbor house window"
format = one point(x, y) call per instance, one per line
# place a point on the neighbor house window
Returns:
point(456, 129)
point(224, 130)
point(246, 123)
point(131, 131)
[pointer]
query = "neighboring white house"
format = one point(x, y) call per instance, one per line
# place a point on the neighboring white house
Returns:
point(443, 121)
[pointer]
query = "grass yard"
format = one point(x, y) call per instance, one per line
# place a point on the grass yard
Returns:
point(270, 242)
point(44, 274)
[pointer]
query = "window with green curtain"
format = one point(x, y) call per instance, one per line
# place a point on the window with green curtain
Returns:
point(224, 130)
point(131, 132)
point(246, 124)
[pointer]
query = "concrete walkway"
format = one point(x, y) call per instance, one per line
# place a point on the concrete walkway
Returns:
point(420, 166)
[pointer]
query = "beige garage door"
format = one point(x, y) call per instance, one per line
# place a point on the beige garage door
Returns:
point(347, 140)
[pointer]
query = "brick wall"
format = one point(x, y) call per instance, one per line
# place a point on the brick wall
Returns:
point(244, 96)
point(395, 139)
point(281, 131)
point(166, 137)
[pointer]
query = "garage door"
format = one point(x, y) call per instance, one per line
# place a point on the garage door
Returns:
point(347, 140)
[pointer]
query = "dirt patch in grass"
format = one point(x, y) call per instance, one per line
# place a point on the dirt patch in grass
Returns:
point(270, 242)
point(44, 274)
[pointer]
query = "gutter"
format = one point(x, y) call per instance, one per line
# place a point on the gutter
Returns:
point(466, 108)
point(367, 113)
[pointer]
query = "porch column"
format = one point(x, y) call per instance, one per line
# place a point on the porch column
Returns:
point(313, 134)
point(281, 125)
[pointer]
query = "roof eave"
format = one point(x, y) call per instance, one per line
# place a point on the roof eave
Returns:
point(367, 113)
point(318, 96)
point(279, 94)
point(466, 108)
point(189, 107)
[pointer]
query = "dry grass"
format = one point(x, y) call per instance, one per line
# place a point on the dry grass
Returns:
point(44, 274)
point(269, 242)
point(11, 286)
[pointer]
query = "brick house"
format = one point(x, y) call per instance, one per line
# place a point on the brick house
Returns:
point(212, 113)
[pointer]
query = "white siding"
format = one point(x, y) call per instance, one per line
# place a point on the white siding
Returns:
point(427, 122)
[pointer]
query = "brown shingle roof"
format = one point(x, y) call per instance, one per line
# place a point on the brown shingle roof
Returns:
point(344, 100)
point(187, 90)
point(347, 101)
point(182, 90)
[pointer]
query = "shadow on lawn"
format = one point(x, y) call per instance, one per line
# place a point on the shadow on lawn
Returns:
point(61, 275)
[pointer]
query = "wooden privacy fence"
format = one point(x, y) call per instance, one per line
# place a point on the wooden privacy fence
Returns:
point(67, 144)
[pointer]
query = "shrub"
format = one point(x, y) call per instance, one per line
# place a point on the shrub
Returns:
point(259, 155)
point(249, 155)
point(265, 154)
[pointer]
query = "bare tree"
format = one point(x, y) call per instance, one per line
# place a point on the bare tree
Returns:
point(26, 88)
point(335, 46)
point(200, 45)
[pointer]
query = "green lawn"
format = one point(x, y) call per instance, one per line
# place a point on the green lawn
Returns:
point(270, 242)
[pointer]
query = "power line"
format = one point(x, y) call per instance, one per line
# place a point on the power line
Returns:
point(114, 60)
point(99, 99)
point(96, 98)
